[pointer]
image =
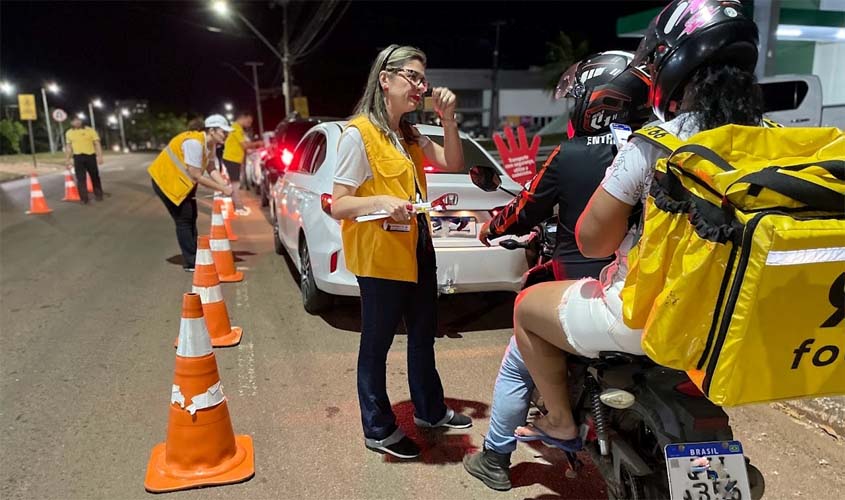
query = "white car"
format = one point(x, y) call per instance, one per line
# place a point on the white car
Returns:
point(312, 238)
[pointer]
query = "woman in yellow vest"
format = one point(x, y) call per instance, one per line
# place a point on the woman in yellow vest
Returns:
point(380, 167)
point(176, 172)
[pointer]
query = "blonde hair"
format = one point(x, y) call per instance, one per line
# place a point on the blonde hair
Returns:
point(372, 103)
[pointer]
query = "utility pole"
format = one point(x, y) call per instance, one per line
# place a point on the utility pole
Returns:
point(286, 86)
point(494, 94)
point(255, 66)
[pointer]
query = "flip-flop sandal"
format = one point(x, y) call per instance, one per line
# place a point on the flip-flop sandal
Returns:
point(571, 445)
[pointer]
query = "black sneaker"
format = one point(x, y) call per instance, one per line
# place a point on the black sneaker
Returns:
point(455, 421)
point(188, 269)
point(404, 448)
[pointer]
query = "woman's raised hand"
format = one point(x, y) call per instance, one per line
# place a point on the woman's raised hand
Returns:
point(444, 103)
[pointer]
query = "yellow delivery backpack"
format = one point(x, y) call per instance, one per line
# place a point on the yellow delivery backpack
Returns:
point(739, 274)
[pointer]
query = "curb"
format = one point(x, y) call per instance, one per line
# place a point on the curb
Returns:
point(828, 413)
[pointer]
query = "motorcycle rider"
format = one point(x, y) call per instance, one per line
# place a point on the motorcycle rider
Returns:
point(601, 91)
point(701, 57)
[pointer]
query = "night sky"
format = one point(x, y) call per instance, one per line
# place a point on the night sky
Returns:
point(164, 51)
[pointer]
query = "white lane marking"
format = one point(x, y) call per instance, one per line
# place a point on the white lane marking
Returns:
point(246, 370)
point(246, 351)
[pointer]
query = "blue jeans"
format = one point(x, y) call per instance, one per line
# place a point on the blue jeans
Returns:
point(511, 399)
point(384, 303)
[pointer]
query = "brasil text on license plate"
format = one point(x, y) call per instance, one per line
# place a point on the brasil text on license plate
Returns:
point(707, 471)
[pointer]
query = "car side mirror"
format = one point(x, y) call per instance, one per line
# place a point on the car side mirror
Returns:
point(485, 178)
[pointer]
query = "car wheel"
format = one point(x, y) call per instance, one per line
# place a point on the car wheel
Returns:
point(277, 240)
point(314, 300)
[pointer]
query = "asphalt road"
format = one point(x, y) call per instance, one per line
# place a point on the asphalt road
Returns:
point(90, 305)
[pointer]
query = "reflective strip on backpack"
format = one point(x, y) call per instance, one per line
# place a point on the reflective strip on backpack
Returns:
point(805, 256)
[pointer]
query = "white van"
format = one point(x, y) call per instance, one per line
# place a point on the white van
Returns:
point(796, 101)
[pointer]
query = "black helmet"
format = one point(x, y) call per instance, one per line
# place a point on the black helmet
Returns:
point(606, 90)
point(689, 34)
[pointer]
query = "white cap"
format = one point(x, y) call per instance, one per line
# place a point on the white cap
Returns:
point(218, 121)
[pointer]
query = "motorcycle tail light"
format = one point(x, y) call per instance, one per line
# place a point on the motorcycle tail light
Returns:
point(326, 203)
point(688, 388)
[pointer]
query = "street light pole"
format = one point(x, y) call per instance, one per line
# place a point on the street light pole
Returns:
point(494, 94)
point(286, 86)
point(47, 119)
point(91, 114)
point(122, 133)
point(255, 66)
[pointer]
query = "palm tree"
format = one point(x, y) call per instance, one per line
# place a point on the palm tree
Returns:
point(561, 54)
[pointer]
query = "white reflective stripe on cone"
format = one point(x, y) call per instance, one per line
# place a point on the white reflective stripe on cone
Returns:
point(209, 295)
point(194, 341)
point(33, 180)
point(212, 397)
point(204, 258)
point(216, 220)
point(219, 245)
point(37, 194)
point(176, 396)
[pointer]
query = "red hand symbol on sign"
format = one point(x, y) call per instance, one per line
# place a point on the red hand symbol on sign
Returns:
point(518, 158)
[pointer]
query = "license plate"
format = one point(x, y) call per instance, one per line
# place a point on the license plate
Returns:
point(707, 471)
point(453, 227)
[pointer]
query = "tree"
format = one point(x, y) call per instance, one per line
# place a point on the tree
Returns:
point(562, 52)
point(11, 133)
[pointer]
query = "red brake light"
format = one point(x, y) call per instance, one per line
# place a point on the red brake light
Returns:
point(688, 388)
point(287, 157)
point(333, 262)
point(326, 203)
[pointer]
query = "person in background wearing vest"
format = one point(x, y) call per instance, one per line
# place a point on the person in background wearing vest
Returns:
point(176, 172)
point(83, 144)
point(380, 168)
point(705, 81)
point(234, 153)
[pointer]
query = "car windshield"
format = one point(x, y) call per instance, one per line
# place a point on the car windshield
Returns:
point(473, 155)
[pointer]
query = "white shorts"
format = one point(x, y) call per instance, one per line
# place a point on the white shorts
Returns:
point(591, 316)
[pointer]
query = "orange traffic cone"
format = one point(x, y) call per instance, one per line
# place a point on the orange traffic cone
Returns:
point(201, 447)
point(227, 218)
point(221, 251)
point(37, 203)
point(88, 184)
point(71, 193)
point(207, 285)
point(230, 209)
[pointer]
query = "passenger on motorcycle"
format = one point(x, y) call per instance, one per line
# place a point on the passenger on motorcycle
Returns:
point(701, 57)
point(601, 92)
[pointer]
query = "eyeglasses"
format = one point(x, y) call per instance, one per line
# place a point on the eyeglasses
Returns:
point(413, 77)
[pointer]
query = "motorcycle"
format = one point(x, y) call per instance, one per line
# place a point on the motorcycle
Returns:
point(646, 427)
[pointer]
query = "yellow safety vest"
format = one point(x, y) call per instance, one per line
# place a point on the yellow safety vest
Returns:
point(169, 171)
point(370, 250)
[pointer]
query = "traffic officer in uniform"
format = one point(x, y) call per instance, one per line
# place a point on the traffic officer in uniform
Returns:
point(83, 144)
